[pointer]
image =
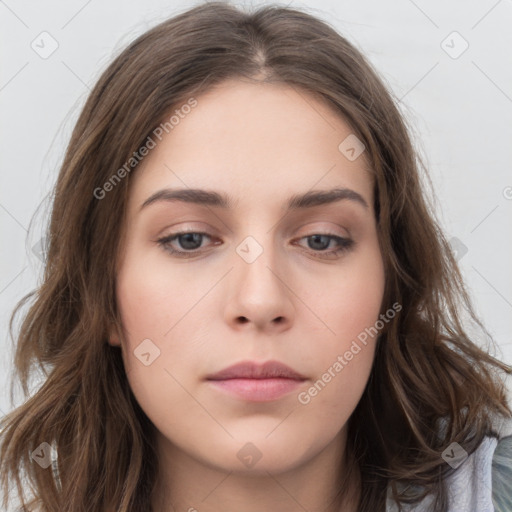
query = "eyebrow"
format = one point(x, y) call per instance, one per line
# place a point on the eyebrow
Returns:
point(220, 200)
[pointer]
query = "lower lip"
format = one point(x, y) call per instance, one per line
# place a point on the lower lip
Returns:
point(258, 390)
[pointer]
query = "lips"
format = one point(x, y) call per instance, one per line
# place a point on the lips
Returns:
point(251, 370)
point(253, 382)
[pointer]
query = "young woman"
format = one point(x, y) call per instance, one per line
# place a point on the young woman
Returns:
point(248, 303)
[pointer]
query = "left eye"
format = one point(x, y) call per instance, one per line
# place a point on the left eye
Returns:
point(320, 241)
point(190, 242)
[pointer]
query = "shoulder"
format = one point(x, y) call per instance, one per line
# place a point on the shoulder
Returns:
point(488, 477)
point(482, 480)
point(502, 475)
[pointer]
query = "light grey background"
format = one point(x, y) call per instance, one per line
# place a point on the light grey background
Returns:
point(459, 105)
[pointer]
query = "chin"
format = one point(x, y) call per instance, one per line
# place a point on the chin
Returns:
point(257, 455)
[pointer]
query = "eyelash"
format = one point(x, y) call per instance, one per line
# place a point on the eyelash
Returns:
point(345, 244)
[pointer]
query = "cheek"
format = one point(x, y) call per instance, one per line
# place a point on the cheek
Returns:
point(165, 321)
point(352, 302)
point(150, 307)
point(142, 304)
point(344, 353)
point(151, 294)
point(148, 310)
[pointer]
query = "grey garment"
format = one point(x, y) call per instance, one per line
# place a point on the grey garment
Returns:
point(482, 481)
point(502, 476)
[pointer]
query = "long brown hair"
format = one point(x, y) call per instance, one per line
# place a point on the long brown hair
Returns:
point(431, 383)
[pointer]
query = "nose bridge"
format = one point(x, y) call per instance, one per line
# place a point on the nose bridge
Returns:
point(258, 245)
point(258, 257)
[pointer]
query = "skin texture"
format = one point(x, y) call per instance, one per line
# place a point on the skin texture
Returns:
point(259, 143)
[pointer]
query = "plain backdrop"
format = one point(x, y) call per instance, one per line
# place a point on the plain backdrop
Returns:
point(447, 61)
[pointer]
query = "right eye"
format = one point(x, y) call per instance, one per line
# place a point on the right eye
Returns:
point(190, 241)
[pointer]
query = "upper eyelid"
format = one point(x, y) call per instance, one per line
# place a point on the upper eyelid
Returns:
point(312, 230)
point(325, 232)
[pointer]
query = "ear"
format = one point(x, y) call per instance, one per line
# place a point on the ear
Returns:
point(113, 337)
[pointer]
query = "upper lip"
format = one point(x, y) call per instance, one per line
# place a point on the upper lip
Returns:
point(253, 370)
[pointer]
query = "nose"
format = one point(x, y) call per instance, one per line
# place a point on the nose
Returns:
point(259, 295)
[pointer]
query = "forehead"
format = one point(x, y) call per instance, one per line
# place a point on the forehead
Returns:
point(256, 141)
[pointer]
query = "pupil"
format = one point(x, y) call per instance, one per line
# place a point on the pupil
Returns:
point(316, 239)
point(190, 238)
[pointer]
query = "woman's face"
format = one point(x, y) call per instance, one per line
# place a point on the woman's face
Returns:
point(254, 280)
